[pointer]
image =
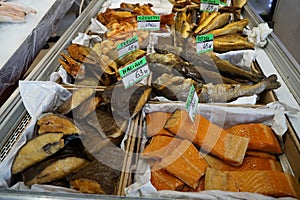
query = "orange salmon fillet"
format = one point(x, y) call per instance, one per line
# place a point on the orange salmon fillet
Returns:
point(249, 163)
point(261, 137)
point(271, 183)
point(160, 146)
point(210, 137)
point(155, 123)
point(186, 163)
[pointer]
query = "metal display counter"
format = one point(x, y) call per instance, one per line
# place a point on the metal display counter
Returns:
point(14, 117)
point(21, 42)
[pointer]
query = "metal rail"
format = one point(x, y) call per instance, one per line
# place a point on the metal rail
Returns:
point(284, 63)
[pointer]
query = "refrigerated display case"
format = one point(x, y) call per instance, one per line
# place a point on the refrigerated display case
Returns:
point(273, 58)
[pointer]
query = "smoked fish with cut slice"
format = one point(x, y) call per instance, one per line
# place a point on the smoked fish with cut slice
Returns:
point(210, 137)
point(276, 184)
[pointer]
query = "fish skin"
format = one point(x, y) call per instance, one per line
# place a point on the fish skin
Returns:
point(229, 92)
point(231, 42)
point(226, 67)
point(231, 28)
point(218, 22)
point(206, 21)
point(211, 62)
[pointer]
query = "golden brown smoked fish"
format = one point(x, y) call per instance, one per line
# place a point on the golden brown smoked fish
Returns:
point(218, 22)
point(206, 21)
point(232, 28)
point(231, 42)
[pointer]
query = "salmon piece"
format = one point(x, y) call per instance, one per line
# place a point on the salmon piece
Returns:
point(210, 137)
point(249, 163)
point(260, 154)
point(155, 123)
point(185, 163)
point(160, 146)
point(271, 183)
point(162, 180)
point(261, 137)
point(199, 188)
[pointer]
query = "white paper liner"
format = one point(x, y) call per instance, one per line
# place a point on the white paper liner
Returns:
point(240, 58)
point(271, 115)
point(38, 97)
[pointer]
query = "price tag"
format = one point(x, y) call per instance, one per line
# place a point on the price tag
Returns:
point(128, 46)
point(192, 103)
point(148, 22)
point(134, 72)
point(204, 43)
point(209, 5)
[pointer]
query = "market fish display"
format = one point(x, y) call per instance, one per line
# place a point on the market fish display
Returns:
point(14, 12)
point(176, 88)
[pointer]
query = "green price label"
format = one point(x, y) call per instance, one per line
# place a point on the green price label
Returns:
point(128, 46)
point(216, 2)
point(148, 18)
point(148, 22)
point(209, 5)
point(134, 72)
point(204, 43)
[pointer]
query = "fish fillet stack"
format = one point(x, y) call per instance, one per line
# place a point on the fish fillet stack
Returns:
point(195, 156)
point(14, 12)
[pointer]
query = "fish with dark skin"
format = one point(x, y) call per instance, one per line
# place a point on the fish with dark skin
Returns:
point(174, 64)
point(167, 86)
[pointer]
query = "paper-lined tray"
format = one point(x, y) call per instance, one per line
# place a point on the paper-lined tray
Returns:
point(224, 116)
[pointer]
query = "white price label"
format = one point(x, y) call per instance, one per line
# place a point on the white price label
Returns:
point(134, 72)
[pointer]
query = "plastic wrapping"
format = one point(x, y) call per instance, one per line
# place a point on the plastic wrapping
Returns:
point(21, 49)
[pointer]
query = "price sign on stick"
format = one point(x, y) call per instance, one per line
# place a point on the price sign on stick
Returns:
point(134, 72)
point(148, 22)
point(204, 43)
point(192, 103)
point(128, 46)
point(209, 5)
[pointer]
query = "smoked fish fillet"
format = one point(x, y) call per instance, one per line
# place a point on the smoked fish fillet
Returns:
point(155, 123)
point(162, 180)
point(249, 163)
point(160, 146)
point(186, 163)
point(261, 137)
point(271, 183)
point(210, 137)
point(260, 154)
